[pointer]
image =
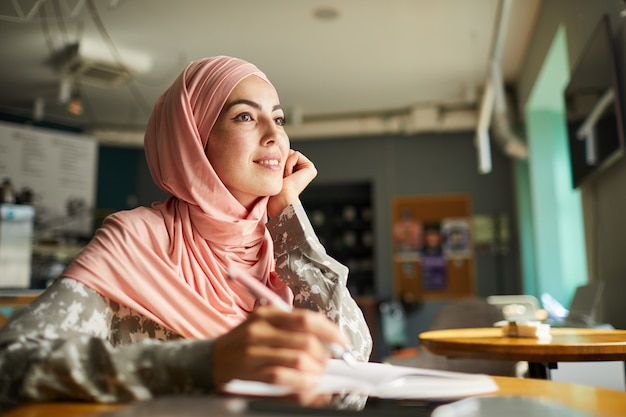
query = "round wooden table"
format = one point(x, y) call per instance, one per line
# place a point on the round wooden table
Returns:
point(565, 345)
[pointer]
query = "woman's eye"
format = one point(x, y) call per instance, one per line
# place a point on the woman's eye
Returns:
point(280, 121)
point(243, 117)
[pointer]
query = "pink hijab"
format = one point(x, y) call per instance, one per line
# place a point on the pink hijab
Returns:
point(169, 262)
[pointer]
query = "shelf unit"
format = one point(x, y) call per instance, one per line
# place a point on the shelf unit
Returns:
point(342, 217)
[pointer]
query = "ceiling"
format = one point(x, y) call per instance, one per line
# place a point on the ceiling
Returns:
point(356, 57)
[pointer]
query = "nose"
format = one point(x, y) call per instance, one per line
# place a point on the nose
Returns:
point(271, 132)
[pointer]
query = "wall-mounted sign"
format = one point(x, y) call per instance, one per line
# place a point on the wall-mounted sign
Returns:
point(59, 168)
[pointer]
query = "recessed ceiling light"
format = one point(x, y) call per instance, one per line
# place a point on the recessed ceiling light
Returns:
point(326, 13)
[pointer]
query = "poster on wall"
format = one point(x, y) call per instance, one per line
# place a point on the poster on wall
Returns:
point(59, 169)
point(433, 259)
point(407, 234)
point(432, 246)
point(456, 238)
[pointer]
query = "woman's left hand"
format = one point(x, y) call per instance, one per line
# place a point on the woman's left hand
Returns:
point(299, 172)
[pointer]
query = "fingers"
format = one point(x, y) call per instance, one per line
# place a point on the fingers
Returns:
point(285, 367)
point(310, 399)
point(306, 321)
point(290, 163)
point(276, 347)
point(298, 173)
point(298, 163)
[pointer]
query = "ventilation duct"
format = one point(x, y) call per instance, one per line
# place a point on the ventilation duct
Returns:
point(511, 143)
point(493, 111)
point(503, 133)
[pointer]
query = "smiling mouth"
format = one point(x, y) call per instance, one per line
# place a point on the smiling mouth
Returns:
point(269, 162)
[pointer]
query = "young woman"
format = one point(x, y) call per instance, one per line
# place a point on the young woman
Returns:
point(146, 309)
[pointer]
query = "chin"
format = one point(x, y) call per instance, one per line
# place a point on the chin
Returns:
point(267, 192)
point(272, 190)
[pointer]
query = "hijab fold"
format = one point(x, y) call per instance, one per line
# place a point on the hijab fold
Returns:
point(168, 262)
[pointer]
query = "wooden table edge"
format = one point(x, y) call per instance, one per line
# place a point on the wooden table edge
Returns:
point(435, 342)
point(597, 401)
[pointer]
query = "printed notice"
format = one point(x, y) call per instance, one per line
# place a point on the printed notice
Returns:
point(59, 168)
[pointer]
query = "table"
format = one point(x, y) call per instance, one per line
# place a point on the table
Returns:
point(566, 345)
point(597, 401)
point(12, 300)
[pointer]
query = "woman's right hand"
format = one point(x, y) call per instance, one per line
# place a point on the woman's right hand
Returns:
point(272, 346)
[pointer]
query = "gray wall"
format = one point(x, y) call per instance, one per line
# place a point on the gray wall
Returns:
point(604, 199)
point(421, 165)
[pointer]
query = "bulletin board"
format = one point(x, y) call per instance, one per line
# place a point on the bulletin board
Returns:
point(432, 247)
point(60, 168)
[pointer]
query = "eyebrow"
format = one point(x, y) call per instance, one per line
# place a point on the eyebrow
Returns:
point(249, 103)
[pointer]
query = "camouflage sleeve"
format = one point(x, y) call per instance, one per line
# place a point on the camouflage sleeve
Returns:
point(317, 280)
point(72, 343)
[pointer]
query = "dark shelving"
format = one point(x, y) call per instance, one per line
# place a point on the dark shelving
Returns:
point(342, 216)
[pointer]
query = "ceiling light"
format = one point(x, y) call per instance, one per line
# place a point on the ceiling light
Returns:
point(75, 106)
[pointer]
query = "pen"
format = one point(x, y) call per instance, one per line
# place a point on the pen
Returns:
point(267, 296)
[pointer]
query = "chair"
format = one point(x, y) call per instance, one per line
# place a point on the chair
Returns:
point(455, 314)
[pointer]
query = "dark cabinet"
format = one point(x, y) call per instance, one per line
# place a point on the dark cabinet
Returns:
point(342, 216)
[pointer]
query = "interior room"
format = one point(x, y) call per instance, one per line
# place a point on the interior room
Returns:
point(458, 113)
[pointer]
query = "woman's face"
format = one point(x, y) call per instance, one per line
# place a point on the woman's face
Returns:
point(248, 145)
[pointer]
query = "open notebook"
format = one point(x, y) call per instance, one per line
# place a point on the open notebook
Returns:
point(382, 381)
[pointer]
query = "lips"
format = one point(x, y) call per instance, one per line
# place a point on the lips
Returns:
point(268, 162)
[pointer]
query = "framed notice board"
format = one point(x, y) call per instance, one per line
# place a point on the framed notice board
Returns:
point(60, 170)
point(432, 247)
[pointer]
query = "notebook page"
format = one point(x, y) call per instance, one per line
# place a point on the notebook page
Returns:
point(383, 381)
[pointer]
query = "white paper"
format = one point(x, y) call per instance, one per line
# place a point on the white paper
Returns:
point(383, 381)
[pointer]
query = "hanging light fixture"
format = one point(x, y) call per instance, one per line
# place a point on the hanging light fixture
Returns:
point(75, 105)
